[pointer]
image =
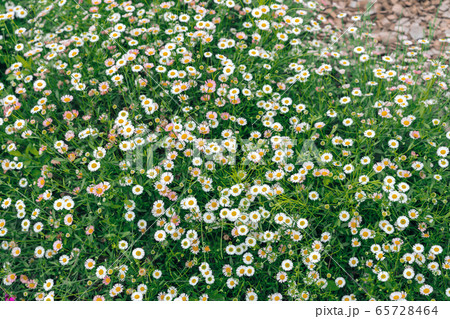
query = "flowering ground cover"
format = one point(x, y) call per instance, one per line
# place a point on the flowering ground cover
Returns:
point(218, 150)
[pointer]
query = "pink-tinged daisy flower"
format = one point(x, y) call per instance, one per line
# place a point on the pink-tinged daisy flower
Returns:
point(414, 134)
point(210, 86)
point(66, 98)
point(40, 182)
point(90, 230)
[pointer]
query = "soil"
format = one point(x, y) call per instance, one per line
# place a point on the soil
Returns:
point(396, 20)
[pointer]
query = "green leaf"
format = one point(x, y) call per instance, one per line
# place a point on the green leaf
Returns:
point(31, 149)
point(127, 202)
point(34, 151)
point(15, 153)
point(25, 63)
point(332, 286)
point(36, 173)
point(217, 297)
